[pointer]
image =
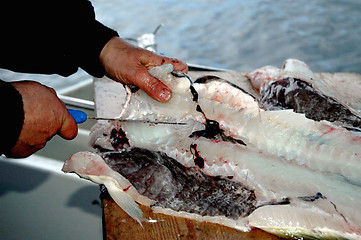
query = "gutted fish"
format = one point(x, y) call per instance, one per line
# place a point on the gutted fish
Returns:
point(320, 146)
point(171, 185)
point(278, 170)
point(156, 180)
point(296, 87)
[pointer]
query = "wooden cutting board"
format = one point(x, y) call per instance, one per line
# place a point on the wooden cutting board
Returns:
point(118, 225)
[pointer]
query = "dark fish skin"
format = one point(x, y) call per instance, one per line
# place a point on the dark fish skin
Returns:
point(291, 93)
point(174, 186)
point(211, 78)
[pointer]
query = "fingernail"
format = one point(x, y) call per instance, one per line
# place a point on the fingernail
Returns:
point(165, 94)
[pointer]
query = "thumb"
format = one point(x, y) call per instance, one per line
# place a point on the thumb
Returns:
point(69, 128)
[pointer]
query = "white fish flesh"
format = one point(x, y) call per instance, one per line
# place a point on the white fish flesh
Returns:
point(273, 157)
point(320, 146)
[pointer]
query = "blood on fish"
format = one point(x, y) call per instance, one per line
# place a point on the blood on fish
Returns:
point(221, 159)
point(98, 168)
point(194, 94)
point(119, 139)
point(101, 169)
point(198, 160)
point(331, 129)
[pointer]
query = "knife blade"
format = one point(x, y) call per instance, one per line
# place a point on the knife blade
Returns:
point(80, 117)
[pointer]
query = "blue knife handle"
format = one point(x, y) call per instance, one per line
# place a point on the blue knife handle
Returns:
point(79, 116)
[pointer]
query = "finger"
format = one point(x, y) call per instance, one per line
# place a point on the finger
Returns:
point(178, 65)
point(69, 128)
point(152, 86)
point(157, 60)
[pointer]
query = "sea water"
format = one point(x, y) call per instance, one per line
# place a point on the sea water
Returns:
point(246, 34)
point(239, 35)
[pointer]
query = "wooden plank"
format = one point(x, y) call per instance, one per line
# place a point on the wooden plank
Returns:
point(118, 225)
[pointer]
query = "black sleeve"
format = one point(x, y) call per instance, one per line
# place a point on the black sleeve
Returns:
point(49, 37)
point(12, 116)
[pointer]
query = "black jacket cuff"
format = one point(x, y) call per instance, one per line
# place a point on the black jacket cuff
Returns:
point(93, 44)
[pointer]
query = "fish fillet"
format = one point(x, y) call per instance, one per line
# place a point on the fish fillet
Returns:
point(286, 174)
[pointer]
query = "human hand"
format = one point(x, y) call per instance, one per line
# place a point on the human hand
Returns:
point(129, 64)
point(44, 116)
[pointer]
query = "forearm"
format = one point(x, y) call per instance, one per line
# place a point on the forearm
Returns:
point(12, 116)
point(90, 46)
point(90, 36)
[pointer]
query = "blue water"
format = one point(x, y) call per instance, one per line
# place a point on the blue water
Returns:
point(246, 34)
point(240, 35)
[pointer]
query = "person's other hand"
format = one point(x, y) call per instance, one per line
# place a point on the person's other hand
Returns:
point(44, 116)
point(129, 64)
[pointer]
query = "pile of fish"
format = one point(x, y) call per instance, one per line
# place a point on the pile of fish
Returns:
point(282, 163)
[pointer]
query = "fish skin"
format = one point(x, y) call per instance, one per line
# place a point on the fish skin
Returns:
point(159, 181)
point(90, 166)
point(255, 169)
point(284, 183)
point(273, 210)
point(295, 87)
point(171, 185)
point(300, 96)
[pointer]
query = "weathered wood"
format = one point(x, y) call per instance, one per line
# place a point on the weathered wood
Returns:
point(118, 225)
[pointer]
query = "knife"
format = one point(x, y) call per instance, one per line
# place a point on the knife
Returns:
point(80, 117)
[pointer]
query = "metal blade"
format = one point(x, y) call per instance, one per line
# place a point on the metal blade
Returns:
point(137, 121)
